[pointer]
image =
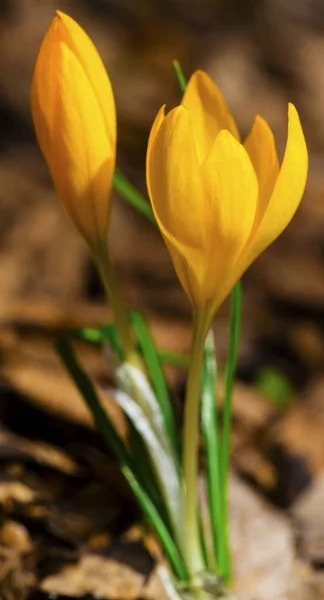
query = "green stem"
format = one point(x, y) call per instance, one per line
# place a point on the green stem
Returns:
point(234, 337)
point(115, 300)
point(194, 558)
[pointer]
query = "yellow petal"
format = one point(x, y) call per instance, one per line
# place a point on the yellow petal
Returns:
point(174, 180)
point(174, 186)
point(231, 192)
point(288, 190)
point(75, 121)
point(261, 148)
point(154, 129)
point(208, 111)
point(189, 265)
point(76, 39)
point(43, 88)
point(82, 162)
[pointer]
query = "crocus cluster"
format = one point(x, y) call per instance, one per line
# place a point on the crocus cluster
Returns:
point(218, 202)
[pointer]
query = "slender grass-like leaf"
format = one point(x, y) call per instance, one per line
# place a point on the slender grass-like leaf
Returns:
point(133, 196)
point(156, 375)
point(110, 337)
point(182, 82)
point(210, 429)
point(208, 556)
point(133, 382)
point(140, 455)
point(232, 354)
point(95, 336)
point(170, 548)
point(125, 460)
point(91, 335)
point(163, 464)
point(83, 383)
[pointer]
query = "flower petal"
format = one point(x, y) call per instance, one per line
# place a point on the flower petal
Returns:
point(288, 189)
point(174, 181)
point(208, 111)
point(154, 129)
point(76, 39)
point(261, 148)
point(74, 115)
point(189, 265)
point(43, 88)
point(82, 162)
point(231, 192)
point(174, 186)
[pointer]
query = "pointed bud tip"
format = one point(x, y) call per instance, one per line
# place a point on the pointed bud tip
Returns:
point(63, 19)
point(59, 14)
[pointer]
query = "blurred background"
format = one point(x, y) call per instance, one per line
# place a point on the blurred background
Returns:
point(262, 54)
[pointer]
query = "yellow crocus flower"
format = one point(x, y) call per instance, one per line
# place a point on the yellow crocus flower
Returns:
point(75, 120)
point(219, 203)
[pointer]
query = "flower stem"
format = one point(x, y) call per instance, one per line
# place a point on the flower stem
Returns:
point(194, 558)
point(115, 300)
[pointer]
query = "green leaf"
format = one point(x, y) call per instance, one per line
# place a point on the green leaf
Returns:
point(113, 440)
point(210, 432)
point(156, 375)
point(97, 335)
point(232, 355)
point(91, 335)
point(83, 383)
point(180, 75)
point(170, 548)
point(138, 450)
point(110, 337)
point(133, 196)
point(165, 471)
point(133, 382)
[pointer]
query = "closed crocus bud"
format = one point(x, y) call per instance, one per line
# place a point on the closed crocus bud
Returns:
point(75, 120)
point(219, 203)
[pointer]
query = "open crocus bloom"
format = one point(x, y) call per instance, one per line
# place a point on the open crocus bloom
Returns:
point(74, 115)
point(219, 203)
